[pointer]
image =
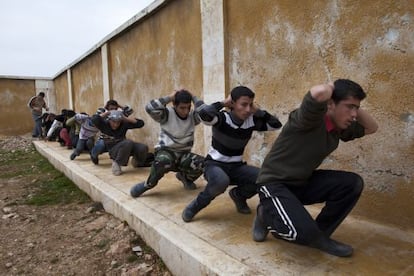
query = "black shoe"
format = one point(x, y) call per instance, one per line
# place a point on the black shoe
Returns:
point(188, 185)
point(259, 228)
point(73, 156)
point(94, 159)
point(332, 247)
point(240, 202)
point(190, 211)
point(138, 189)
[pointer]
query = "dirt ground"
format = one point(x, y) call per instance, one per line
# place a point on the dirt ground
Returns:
point(63, 238)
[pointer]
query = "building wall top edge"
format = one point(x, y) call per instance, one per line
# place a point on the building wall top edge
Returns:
point(153, 7)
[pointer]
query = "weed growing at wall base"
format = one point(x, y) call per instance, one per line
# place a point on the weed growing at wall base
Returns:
point(47, 185)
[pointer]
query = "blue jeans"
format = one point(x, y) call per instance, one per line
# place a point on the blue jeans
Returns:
point(98, 148)
point(220, 175)
point(84, 144)
point(37, 130)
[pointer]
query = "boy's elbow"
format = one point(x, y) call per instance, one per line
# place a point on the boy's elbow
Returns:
point(371, 129)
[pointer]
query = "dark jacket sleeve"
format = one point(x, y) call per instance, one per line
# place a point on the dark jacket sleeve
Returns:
point(139, 123)
point(98, 121)
point(209, 112)
point(266, 121)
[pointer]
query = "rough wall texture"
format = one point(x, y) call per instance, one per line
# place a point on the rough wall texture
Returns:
point(87, 84)
point(279, 49)
point(293, 45)
point(156, 57)
point(15, 116)
point(61, 91)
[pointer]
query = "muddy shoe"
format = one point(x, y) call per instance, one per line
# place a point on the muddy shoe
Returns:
point(188, 184)
point(190, 211)
point(138, 189)
point(116, 169)
point(239, 201)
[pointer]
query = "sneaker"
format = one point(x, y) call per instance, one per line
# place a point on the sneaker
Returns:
point(138, 189)
point(94, 159)
point(72, 156)
point(259, 228)
point(239, 201)
point(188, 185)
point(116, 169)
point(190, 211)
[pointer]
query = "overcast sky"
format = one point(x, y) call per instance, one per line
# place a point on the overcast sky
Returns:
point(41, 37)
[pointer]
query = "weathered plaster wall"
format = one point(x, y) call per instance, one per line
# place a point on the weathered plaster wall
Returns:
point(293, 45)
point(279, 49)
point(156, 57)
point(87, 84)
point(15, 118)
point(61, 92)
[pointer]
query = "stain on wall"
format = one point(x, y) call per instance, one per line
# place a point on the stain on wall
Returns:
point(16, 118)
point(87, 84)
point(280, 49)
point(156, 57)
point(294, 45)
point(61, 91)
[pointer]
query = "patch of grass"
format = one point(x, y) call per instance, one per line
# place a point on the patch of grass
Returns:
point(102, 244)
point(161, 264)
point(47, 185)
point(17, 163)
point(139, 241)
point(58, 190)
point(132, 258)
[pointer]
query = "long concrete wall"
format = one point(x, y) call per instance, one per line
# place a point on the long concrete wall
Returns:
point(279, 49)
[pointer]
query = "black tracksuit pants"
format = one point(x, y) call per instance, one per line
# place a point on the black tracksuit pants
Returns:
point(287, 218)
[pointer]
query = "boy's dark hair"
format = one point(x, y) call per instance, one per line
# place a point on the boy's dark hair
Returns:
point(111, 102)
point(240, 91)
point(182, 96)
point(344, 88)
point(42, 94)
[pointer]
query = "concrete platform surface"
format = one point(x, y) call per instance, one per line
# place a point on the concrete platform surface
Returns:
point(218, 241)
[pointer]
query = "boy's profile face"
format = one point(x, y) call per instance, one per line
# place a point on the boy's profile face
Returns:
point(183, 109)
point(243, 107)
point(344, 112)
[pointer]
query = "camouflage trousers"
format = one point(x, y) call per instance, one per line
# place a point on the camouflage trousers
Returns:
point(189, 164)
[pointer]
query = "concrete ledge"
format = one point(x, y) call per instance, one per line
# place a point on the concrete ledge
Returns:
point(182, 252)
point(218, 241)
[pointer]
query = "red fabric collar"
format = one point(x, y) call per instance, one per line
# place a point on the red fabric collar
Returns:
point(328, 123)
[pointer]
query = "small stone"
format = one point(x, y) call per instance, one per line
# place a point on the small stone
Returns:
point(11, 215)
point(114, 263)
point(8, 265)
